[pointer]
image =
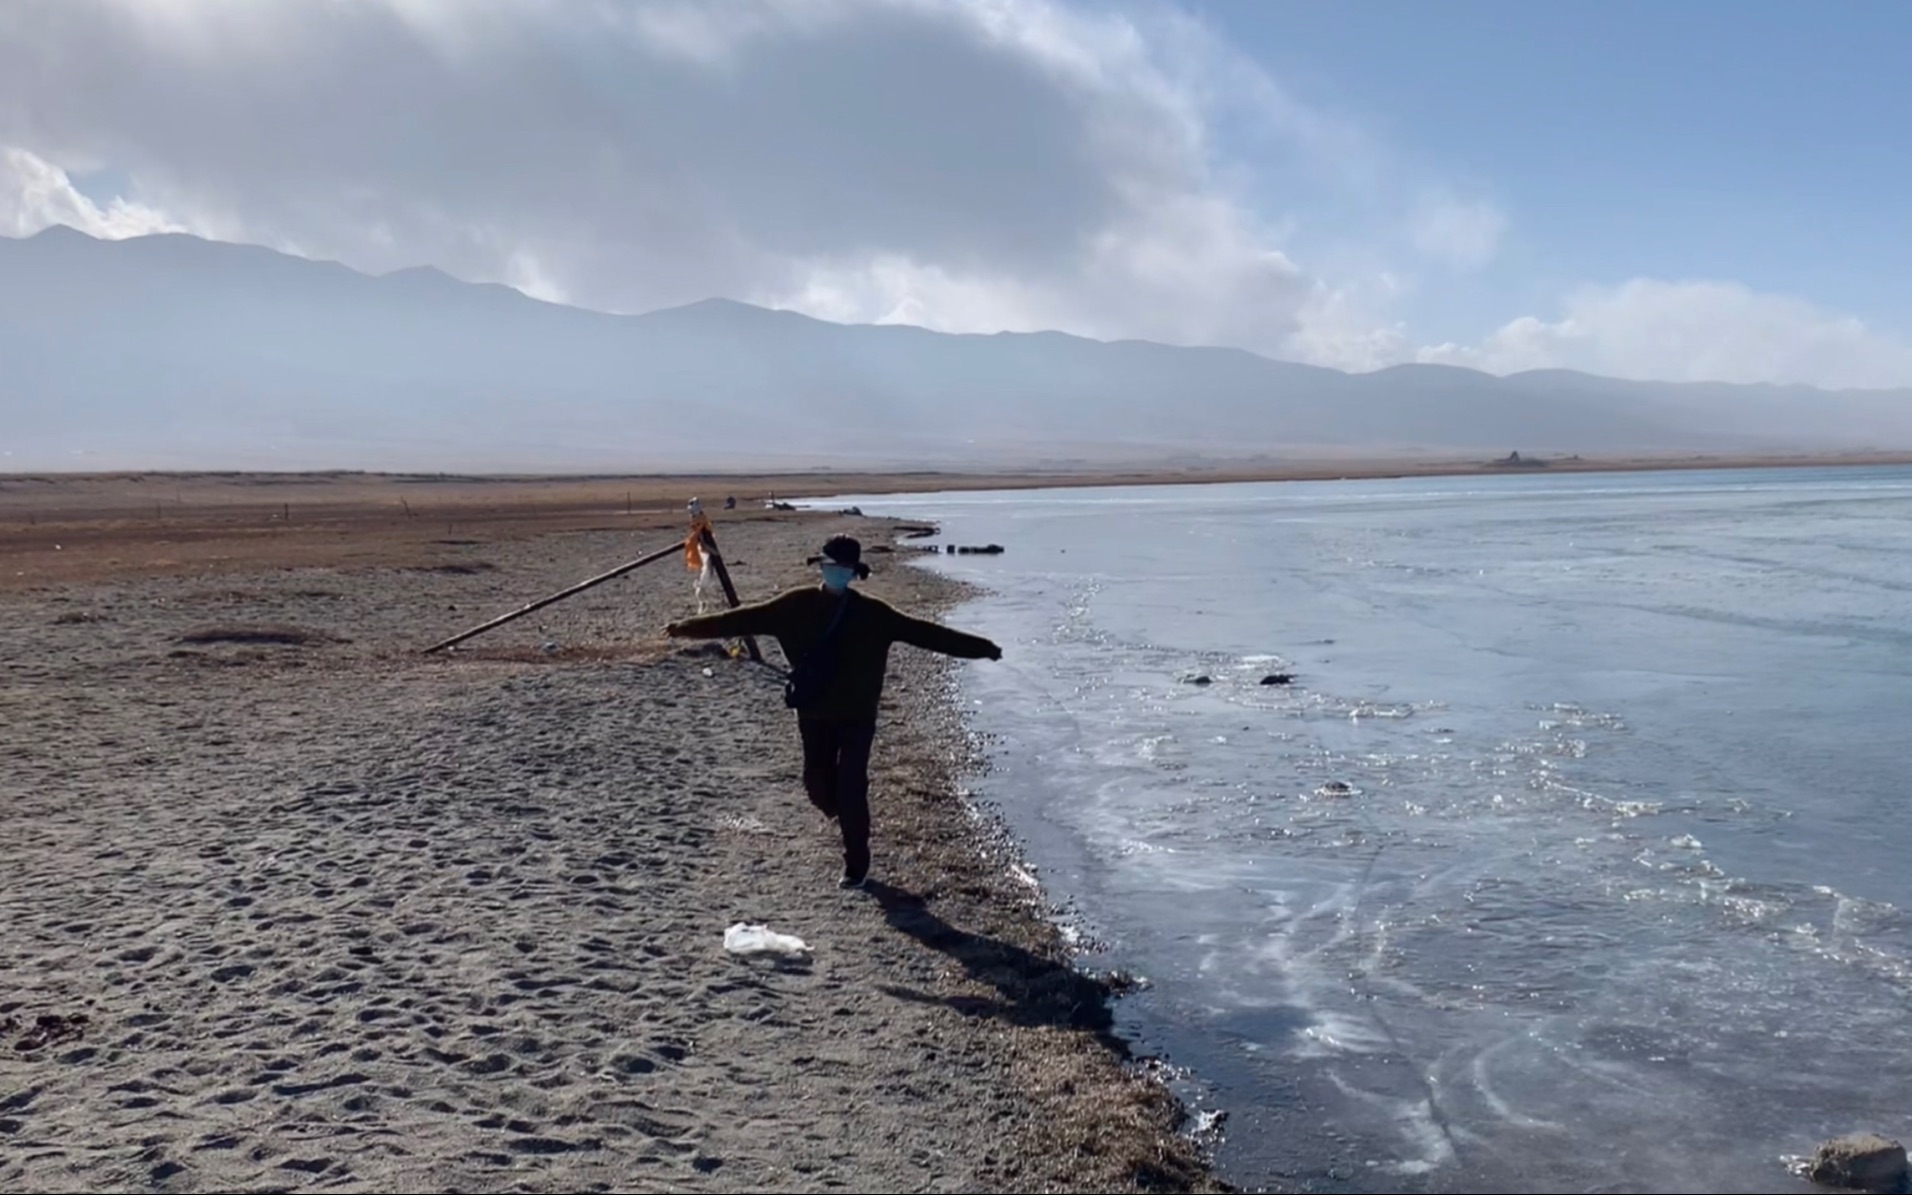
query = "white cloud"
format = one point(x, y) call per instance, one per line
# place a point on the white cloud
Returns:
point(1340, 327)
point(969, 164)
point(35, 194)
point(1461, 233)
point(1690, 332)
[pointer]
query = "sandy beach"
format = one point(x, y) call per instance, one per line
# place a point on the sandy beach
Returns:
point(290, 906)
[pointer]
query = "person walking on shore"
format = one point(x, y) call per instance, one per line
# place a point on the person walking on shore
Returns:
point(838, 642)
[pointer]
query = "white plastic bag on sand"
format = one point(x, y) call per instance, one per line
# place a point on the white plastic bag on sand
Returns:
point(755, 939)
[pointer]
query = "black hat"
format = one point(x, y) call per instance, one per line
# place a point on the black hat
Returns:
point(842, 549)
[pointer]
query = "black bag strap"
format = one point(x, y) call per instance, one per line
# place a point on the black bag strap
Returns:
point(829, 634)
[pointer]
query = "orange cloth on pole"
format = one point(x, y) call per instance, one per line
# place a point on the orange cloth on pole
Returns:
point(694, 543)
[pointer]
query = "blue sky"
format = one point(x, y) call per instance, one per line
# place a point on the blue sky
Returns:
point(1671, 191)
point(1759, 141)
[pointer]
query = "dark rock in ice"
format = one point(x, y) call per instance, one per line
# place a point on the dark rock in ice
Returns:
point(1861, 1162)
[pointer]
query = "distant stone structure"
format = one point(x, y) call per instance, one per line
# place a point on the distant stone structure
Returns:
point(1514, 460)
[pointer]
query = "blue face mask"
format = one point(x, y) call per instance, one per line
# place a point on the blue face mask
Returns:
point(837, 577)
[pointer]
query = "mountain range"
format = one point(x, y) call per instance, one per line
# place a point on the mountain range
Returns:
point(176, 352)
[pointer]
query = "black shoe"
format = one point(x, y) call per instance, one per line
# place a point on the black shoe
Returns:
point(851, 882)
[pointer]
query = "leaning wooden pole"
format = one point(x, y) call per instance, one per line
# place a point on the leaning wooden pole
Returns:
point(723, 579)
point(541, 603)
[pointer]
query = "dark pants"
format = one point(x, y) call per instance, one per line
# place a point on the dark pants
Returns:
point(836, 777)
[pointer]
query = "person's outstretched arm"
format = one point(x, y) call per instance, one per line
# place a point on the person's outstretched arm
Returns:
point(934, 636)
point(763, 618)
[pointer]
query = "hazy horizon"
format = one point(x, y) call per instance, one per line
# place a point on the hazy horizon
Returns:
point(181, 352)
point(732, 300)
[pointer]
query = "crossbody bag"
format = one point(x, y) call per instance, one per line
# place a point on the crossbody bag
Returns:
point(811, 675)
